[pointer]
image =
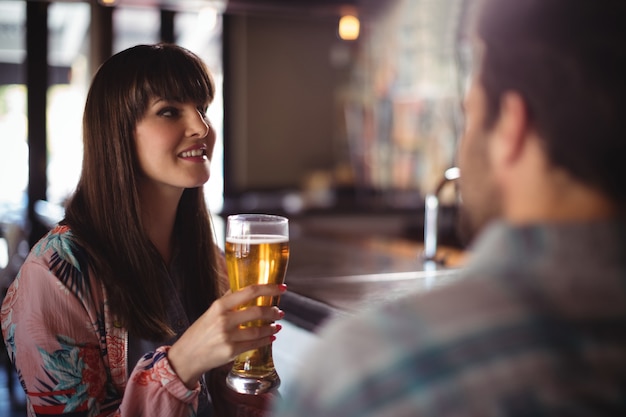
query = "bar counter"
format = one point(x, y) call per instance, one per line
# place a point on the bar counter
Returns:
point(333, 271)
point(341, 264)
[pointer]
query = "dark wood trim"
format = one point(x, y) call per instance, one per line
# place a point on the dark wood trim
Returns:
point(167, 26)
point(100, 35)
point(37, 86)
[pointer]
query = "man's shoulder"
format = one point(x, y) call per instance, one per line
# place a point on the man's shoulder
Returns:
point(397, 347)
point(419, 319)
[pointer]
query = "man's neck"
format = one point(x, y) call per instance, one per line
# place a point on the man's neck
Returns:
point(556, 197)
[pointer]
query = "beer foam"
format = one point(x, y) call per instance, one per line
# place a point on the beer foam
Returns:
point(256, 239)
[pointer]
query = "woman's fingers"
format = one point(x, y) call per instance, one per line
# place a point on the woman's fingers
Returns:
point(249, 293)
point(254, 313)
point(254, 337)
point(242, 339)
point(256, 333)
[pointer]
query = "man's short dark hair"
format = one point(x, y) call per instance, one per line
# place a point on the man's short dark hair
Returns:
point(567, 59)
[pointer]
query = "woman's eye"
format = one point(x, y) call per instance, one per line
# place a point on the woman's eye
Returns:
point(168, 112)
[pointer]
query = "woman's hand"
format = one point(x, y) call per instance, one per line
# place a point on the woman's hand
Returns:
point(216, 338)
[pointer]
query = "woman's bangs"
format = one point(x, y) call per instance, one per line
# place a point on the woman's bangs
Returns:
point(179, 78)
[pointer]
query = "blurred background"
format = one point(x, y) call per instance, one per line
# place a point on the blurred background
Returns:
point(341, 114)
point(310, 120)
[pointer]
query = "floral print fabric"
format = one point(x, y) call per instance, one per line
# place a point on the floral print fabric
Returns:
point(69, 352)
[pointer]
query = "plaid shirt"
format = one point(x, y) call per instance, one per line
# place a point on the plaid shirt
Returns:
point(536, 326)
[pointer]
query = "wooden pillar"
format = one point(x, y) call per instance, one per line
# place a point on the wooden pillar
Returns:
point(37, 86)
point(100, 35)
point(167, 26)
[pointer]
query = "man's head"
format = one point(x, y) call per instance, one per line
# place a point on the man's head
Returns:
point(555, 70)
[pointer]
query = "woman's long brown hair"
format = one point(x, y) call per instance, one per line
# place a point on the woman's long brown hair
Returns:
point(104, 212)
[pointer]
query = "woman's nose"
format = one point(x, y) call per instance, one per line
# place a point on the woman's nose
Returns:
point(198, 125)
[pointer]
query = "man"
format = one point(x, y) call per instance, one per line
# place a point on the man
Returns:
point(536, 326)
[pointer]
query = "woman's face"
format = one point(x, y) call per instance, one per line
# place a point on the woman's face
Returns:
point(174, 143)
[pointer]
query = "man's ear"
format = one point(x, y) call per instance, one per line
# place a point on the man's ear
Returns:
point(510, 132)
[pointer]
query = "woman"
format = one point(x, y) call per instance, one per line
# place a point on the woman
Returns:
point(117, 311)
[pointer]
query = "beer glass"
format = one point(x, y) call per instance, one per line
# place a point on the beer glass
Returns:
point(257, 252)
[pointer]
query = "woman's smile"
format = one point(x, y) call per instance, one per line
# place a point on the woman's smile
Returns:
point(194, 155)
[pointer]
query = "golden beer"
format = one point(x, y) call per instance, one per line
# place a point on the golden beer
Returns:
point(255, 259)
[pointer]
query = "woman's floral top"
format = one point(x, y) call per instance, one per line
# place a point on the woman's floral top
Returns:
point(70, 356)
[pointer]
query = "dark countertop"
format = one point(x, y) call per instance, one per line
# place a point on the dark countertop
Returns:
point(333, 271)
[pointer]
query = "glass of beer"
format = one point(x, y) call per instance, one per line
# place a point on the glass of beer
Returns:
point(257, 252)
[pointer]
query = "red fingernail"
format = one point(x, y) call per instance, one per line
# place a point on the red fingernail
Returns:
point(272, 338)
point(281, 313)
point(278, 327)
point(282, 287)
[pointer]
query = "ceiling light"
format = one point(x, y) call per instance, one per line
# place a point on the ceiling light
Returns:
point(349, 27)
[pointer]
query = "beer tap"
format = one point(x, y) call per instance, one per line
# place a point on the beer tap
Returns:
point(431, 211)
